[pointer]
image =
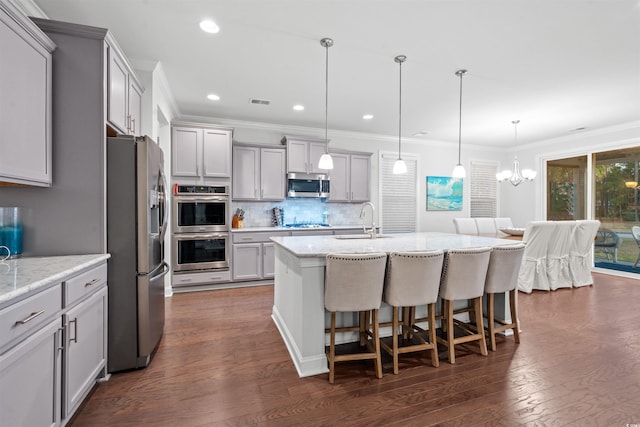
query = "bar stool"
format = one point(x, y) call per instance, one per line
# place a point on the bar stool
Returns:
point(413, 279)
point(502, 276)
point(463, 278)
point(354, 283)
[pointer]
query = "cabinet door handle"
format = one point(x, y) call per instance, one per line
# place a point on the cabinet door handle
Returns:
point(75, 330)
point(91, 283)
point(29, 318)
point(133, 125)
point(261, 192)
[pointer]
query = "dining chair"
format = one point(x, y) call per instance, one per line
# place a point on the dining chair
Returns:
point(581, 251)
point(502, 277)
point(354, 283)
point(463, 278)
point(486, 226)
point(503, 222)
point(558, 274)
point(533, 272)
point(412, 279)
point(465, 226)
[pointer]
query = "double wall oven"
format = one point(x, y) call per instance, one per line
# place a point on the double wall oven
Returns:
point(200, 228)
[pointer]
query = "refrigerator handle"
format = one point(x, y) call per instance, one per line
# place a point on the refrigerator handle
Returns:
point(165, 269)
point(165, 205)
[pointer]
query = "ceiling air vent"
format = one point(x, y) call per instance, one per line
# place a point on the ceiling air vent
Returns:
point(259, 101)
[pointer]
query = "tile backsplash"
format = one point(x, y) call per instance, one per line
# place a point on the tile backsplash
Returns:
point(299, 211)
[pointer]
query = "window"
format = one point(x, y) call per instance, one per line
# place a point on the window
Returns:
point(484, 190)
point(397, 192)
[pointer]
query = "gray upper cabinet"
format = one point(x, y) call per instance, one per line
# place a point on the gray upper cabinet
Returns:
point(124, 111)
point(25, 100)
point(350, 177)
point(303, 154)
point(258, 173)
point(201, 152)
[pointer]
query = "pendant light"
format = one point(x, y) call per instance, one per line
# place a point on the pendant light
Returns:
point(400, 166)
point(326, 162)
point(515, 177)
point(458, 171)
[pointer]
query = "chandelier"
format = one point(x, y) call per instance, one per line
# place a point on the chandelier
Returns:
point(515, 176)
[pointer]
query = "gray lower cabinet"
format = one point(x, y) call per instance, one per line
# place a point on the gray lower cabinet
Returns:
point(30, 378)
point(53, 347)
point(85, 349)
point(254, 255)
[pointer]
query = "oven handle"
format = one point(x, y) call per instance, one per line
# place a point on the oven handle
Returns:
point(201, 198)
point(191, 236)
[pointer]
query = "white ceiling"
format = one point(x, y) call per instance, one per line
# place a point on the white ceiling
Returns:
point(556, 65)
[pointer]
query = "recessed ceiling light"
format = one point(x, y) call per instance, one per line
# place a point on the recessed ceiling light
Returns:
point(421, 133)
point(213, 97)
point(368, 116)
point(298, 107)
point(209, 26)
point(578, 129)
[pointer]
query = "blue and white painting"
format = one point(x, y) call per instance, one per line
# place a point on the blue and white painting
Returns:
point(444, 193)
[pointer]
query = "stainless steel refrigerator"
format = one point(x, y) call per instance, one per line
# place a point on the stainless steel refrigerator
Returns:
point(136, 225)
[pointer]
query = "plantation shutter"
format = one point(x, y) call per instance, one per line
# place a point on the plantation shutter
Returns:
point(484, 189)
point(398, 195)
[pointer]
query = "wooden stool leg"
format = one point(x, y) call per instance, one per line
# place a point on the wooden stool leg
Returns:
point(513, 303)
point(332, 348)
point(450, 331)
point(477, 303)
point(362, 320)
point(376, 344)
point(395, 340)
point(491, 317)
point(432, 335)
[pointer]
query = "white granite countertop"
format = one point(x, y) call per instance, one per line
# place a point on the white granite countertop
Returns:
point(318, 246)
point(330, 227)
point(21, 277)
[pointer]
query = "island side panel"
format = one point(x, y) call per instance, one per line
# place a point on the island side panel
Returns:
point(298, 309)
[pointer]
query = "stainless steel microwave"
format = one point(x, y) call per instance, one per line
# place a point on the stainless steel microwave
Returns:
point(307, 185)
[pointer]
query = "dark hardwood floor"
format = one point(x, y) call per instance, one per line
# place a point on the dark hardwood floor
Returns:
point(222, 362)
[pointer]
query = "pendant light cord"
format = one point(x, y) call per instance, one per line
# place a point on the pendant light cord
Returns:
point(326, 97)
point(460, 120)
point(400, 115)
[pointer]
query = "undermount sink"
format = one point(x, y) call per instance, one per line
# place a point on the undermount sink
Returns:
point(359, 236)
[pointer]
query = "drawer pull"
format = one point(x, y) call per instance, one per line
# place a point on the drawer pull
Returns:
point(30, 318)
point(247, 238)
point(216, 278)
point(93, 282)
point(186, 280)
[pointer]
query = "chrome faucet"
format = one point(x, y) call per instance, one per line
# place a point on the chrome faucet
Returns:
point(371, 232)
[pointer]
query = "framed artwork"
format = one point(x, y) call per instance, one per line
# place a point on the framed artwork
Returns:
point(444, 193)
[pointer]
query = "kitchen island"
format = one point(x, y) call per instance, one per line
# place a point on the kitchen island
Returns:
point(298, 309)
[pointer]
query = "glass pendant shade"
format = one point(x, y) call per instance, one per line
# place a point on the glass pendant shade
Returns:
point(399, 167)
point(459, 172)
point(326, 162)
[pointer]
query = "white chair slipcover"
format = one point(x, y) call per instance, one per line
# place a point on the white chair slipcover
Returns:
point(580, 251)
point(486, 226)
point(558, 255)
point(533, 272)
point(465, 226)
